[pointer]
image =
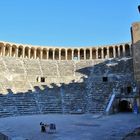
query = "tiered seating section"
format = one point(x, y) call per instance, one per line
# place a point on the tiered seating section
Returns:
point(23, 94)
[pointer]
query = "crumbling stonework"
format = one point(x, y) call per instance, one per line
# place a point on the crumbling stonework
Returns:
point(136, 49)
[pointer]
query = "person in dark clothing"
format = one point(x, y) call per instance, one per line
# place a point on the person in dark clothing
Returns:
point(43, 127)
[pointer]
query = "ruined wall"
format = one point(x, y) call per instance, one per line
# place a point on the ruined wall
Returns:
point(136, 50)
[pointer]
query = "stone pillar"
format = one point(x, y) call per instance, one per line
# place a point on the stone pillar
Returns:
point(47, 54)
point(72, 54)
point(3, 51)
point(53, 54)
point(102, 53)
point(78, 54)
point(123, 51)
point(114, 52)
point(90, 53)
point(29, 52)
point(16, 52)
point(119, 54)
point(35, 53)
point(84, 54)
point(107, 49)
point(96, 53)
point(66, 54)
point(41, 54)
point(60, 54)
point(10, 54)
point(23, 52)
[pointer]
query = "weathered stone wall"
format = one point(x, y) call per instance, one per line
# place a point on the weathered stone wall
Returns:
point(136, 50)
point(69, 87)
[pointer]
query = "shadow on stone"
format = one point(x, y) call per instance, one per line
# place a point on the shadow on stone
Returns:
point(4, 137)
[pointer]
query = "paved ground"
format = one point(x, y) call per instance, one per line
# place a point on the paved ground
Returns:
point(71, 127)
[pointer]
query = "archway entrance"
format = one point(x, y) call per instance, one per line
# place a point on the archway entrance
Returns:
point(125, 106)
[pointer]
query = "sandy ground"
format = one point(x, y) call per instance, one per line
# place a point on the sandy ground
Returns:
point(70, 127)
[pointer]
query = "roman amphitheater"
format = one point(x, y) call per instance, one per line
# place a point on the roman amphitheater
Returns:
point(44, 79)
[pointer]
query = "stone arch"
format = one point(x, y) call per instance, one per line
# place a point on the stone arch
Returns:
point(14, 51)
point(99, 53)
point(125, 106)
point(38, 53)
point(75, 54)
point(104, 52)
point(116, 51)
point(1, 48)
point(111, 54)
point(93, 53)
point(44, 53)
point(56, 54)
point(87, 53)
point(32, 53)
point(127, 50)
point(81, 54)
point(121, 51)
point(63, 54)
point(7, 50)
point(20, 51)
point(50, 53)
point(69, 54)
point(26, 52)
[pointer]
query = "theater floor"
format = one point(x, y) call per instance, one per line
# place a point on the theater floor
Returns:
point(70, 127)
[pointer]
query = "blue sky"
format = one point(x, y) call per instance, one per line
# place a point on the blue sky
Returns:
point(67, 22)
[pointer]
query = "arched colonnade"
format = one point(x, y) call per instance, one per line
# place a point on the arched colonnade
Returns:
point(11, 50)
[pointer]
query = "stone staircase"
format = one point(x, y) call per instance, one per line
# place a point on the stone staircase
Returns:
point(26, 104)
point(99, 96)
point(7, 107)
point(49, 100)
point(73, 98)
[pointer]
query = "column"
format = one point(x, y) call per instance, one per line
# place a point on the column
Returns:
point(84, 54)
point(23, 52)
point(29, 52)
point(3, 50)
point(90, 53)
point(72, 54)
point(60, 54)
point(41, 54)
point(66, 54)
point(34, 53)
point(78, 54)
point(119, 51)
point(102, 53)
point(10, 54)
point(107, 49)
point(96, 53)
point(47, 54)
point(16, 52)
point(114, 52)
point(123, 51)
point(53, 54)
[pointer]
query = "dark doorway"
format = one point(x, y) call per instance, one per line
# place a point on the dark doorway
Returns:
point(129, 89)
point(42, 79)
point(105, 79)
point(125, 106)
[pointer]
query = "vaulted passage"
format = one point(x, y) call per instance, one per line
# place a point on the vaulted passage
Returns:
point(125, 106)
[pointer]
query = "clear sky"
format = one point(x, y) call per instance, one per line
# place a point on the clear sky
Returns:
point(67, 22)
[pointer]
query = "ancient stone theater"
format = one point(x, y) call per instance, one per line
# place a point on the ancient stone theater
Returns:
point(48, 79)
